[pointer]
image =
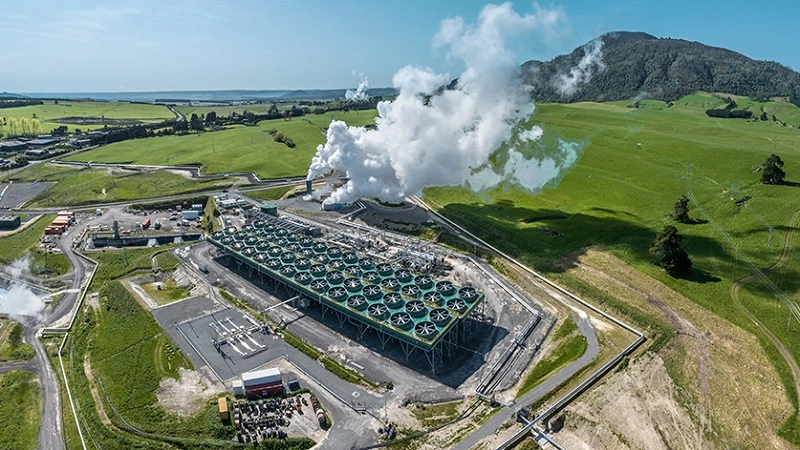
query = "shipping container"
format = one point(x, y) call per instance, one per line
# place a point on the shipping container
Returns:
point(263, 376)
point(264, 390)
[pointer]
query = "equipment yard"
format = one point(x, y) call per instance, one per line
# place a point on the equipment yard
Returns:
point(483, 332)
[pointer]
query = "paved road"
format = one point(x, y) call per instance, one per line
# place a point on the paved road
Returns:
point(231, 192)
point(496, 421)
point(178, 115)
point(27, 365)
point(50, 436)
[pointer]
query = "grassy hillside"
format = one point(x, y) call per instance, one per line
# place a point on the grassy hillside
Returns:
point(48, 112)
point(80, 186)
point(619, 195)
point(238, 149)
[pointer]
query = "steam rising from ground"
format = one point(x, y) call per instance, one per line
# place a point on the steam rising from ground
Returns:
point(591, 61)
point(471, 133)
point(361, 91)
point(19, 301)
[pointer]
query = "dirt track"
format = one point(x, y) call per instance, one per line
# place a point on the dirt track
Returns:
point(734, 292)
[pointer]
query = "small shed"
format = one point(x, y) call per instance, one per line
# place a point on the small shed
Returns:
point(222, 404)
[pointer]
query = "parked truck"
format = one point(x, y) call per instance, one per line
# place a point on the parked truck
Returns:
point(146, 224)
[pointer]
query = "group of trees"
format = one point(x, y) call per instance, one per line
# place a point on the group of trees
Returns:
point(19, 102)
point(279, 137)
point(13, 127)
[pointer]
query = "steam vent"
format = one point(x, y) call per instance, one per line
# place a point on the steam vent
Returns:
point(414, 310)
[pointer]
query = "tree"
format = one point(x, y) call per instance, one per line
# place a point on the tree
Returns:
point(681, 212)
point(15, 336)
point(180, 125)
point(671, 257)
point(211, 117)
point(773, 172)
point(25, 124)
point(195, 123)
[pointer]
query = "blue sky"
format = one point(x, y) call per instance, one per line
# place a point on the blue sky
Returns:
point(93, 46)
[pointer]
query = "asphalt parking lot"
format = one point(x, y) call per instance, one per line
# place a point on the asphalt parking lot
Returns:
point(15, 194)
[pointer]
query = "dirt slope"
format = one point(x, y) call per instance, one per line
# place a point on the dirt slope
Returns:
point(710, 387)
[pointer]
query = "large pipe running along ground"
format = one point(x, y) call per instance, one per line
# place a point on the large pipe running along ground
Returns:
point(592, 378)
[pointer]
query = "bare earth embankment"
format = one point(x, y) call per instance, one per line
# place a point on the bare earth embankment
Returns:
point(710, 387)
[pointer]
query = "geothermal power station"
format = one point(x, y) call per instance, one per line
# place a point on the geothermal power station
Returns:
point(409, 308)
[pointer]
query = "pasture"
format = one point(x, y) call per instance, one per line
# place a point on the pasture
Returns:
point(236, 149)
point(50, 114)
point(81, 185)
point(619, 195)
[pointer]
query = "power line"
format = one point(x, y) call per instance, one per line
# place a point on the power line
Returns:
point(794, 309)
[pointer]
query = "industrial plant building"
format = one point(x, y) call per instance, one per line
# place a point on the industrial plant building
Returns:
point(9, 222)
point(366, 290)
point(263, 383)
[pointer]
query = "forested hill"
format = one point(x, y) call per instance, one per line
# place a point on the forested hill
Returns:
point(640, 65)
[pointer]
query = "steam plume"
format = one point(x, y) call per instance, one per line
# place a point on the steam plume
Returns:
point(19, 301)
point(471, 133)
point(591, 61)
point(361, 91)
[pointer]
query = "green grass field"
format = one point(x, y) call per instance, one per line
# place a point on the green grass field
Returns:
point(15, 245)
point(618, 196)
point(49, 111)
point(222, 111)
point(11, 346)
point(237, 149)
point(129, 355)
point(569, 346)
point(270, 194)
point(27, 242)
point(81, 186)
point(165, 292)
point(20, 410)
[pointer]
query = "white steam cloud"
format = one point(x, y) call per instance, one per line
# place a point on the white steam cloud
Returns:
point(361, 91)
point(18, 300)
point(591, 62)
point(471, 133)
